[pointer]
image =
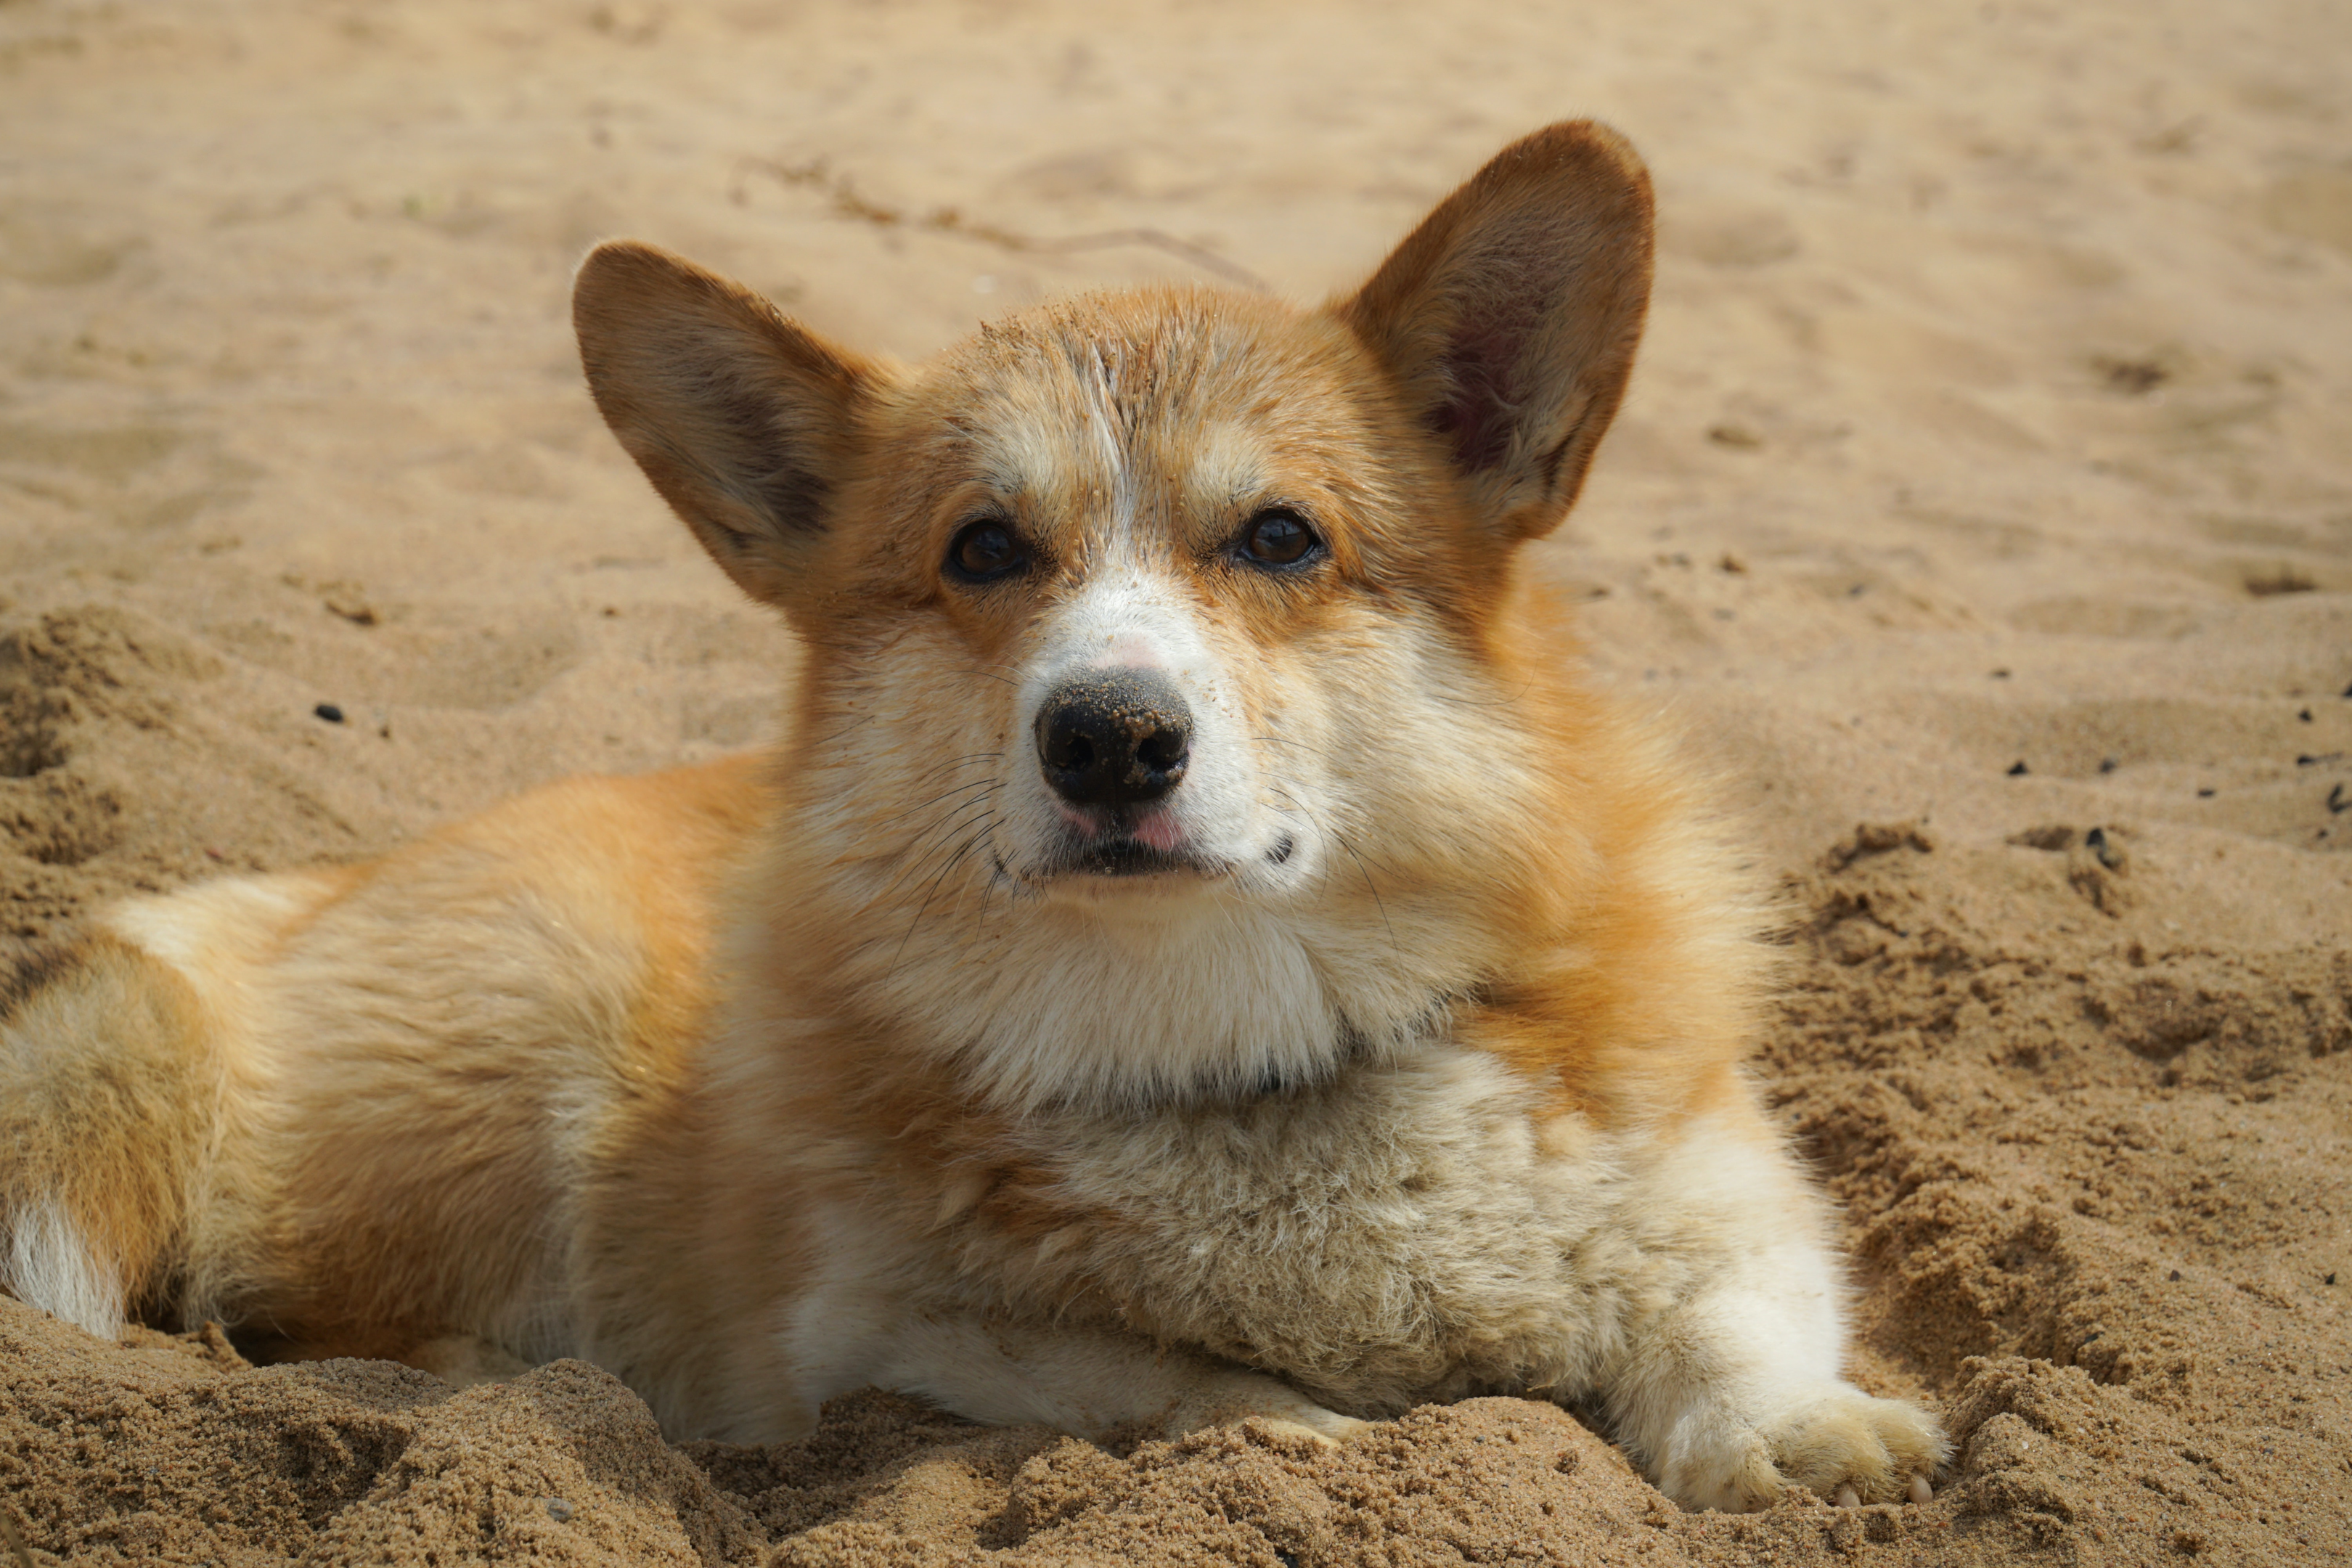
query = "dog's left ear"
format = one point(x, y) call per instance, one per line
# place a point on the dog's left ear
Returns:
point(1510, 316)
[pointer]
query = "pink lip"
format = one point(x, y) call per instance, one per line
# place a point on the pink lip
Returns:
point(1157, 829)
point(1160, 831)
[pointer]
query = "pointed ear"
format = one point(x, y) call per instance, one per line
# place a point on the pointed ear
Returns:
point(1509, 317)
point(745, 421)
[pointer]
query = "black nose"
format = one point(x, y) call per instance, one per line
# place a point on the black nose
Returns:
point(1114, 737)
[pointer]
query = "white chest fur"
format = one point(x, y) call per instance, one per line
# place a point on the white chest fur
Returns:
point(1407, 1232)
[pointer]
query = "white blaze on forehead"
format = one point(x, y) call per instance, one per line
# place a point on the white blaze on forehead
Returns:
point(1071, 453)
point(1111, 445)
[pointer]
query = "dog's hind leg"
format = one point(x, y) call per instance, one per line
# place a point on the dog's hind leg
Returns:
point(106, 1113)
point(129, 1081)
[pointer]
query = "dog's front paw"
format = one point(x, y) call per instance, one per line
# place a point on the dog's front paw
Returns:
point(1832, 1438)
point(1251, 1396)
point(1329, 1430)
point(1853, 1449)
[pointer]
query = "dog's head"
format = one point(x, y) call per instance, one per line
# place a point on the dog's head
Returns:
point(1174, 612)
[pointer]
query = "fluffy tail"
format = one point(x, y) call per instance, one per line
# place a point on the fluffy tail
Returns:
point(110, 1100)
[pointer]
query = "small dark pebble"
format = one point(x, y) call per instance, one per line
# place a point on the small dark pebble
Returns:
point(2204, 795)
point(2347, 691)
point(2000, 675)
point(2109, 765)
point(2305, 759)
point(2017, 770)
point(330, 713)
point(2331, 1277)
point(2304, 714)
point(2174, 1277)
point(2336, 804)
point(2107, 855)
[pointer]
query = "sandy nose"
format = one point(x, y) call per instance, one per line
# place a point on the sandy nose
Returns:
point(1114, 737)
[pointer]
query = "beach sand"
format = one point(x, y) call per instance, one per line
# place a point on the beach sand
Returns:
point(1981, 515)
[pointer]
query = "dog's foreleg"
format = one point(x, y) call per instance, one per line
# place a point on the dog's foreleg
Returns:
point(1727, 1383)
point(465, 1361)
point(1085, 1382)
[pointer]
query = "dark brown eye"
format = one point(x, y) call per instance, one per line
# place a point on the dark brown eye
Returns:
point(984, 550)
point(1278, 538)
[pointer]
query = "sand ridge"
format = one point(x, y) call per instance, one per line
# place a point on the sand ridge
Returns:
point(1982, 514)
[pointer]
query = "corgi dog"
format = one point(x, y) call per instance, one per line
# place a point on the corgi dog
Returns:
point(1200, 952)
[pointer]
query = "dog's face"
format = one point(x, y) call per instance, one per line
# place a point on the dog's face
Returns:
point(1170, 608)
point(1130, 596)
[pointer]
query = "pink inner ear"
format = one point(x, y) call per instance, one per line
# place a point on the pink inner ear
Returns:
point(1500, 298)
point(1483, 406)
point(1510, 295)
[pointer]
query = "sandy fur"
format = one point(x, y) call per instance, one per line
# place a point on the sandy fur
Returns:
point(762, 1082)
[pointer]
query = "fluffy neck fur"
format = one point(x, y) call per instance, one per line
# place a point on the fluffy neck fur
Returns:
point(1038, 1002)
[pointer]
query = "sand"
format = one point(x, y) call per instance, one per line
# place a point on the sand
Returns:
point(1982, 514)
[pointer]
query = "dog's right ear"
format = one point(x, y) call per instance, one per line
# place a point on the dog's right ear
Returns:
point(745, 421)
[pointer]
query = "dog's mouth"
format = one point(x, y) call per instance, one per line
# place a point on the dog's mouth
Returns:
point(1126, 858)
point(1116, 852)
point(1112, 860)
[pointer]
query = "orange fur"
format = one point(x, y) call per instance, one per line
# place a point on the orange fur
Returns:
point(1200, 952)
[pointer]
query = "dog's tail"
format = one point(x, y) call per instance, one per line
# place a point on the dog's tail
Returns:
point(111, 1093)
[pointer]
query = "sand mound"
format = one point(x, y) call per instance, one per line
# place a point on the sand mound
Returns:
point(1982, 512)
